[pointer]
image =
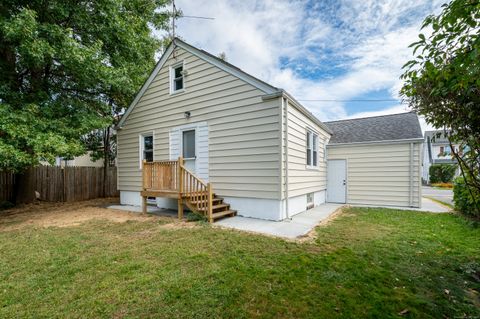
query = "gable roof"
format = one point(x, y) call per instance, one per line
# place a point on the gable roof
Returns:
point(269, 90)
point(393, 127)
point(225, 66)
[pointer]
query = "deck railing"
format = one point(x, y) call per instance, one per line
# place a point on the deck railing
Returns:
point(173, 176)
point(160, 176)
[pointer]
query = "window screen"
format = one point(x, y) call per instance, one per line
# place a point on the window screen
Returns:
point(189, 144)
point(148, 148)
point(309, 148)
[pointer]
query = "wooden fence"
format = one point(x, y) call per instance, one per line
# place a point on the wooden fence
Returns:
point(57, 184)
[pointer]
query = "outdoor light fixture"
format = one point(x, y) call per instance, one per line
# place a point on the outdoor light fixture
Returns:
point(187, 114)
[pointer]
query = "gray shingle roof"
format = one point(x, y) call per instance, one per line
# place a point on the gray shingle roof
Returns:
point(378, 128)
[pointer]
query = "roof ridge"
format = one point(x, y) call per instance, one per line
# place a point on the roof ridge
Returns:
point(369, 117)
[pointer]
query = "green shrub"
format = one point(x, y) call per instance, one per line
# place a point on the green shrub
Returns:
point(442, 173)
point(463, 200)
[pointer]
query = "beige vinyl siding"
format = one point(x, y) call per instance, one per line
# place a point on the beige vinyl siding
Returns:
point(244, 150)
point(379, 174)
point(303, 179)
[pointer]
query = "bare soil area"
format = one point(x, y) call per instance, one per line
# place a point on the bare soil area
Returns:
point(44, 214)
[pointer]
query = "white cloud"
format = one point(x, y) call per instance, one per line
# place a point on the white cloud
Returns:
point(369, 39)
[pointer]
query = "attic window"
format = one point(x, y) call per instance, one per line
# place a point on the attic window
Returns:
point(176, 78)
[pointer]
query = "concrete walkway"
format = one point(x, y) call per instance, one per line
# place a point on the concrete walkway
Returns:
point(300, 224)
point(428, 205)
point(443, 195)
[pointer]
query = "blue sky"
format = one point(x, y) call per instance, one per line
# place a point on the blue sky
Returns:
point(316, 50)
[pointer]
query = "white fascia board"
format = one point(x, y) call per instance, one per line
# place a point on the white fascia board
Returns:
point(145, 86)
point(409, 140)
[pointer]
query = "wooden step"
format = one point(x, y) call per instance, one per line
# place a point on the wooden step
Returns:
point(224, 214)
point(218, 207)
point(217, 200)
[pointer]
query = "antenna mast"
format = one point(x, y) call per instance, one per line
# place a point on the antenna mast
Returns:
point(174, 14)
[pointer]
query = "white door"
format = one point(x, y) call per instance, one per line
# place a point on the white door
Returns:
point(190, 141)
point(189, 149)
point(337, 181)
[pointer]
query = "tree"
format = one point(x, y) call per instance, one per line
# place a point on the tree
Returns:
point(442, 82)
point(68, 68)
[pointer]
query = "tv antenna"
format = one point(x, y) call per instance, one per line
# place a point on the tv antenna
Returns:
point(175, 15)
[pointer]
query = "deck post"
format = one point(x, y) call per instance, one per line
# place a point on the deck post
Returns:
point(180, 187)
point(144, 204)
point(144, 198)
point(209, 203)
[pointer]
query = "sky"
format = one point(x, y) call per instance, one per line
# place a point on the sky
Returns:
point(339, 50)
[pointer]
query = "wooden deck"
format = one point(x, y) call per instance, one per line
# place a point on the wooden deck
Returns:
point(171, 179)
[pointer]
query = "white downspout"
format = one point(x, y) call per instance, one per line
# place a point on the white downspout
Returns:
point(285, 103)
point(410, 195)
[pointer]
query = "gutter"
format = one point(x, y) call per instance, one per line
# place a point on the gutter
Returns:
point(411, 140)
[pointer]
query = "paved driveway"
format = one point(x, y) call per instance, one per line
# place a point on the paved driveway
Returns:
point(443, 195)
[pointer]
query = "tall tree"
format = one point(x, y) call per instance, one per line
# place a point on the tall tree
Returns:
point(442, 82)
point(67, 68)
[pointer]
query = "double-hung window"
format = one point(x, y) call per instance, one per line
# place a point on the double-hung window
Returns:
point(176, 78)
point(312, 149)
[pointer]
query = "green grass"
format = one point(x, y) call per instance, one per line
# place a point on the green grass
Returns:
point(369, 262)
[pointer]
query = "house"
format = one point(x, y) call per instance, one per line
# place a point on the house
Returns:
point(376, 161)
point(204, 134)
point(82, 160)
point(437, 151)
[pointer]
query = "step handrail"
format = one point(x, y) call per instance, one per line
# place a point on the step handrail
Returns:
point(195, 191)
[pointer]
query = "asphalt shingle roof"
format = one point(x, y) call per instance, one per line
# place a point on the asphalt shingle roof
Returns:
point(377, 128)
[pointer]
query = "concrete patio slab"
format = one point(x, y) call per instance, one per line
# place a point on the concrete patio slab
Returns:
point(151, 209)
point(300, 224)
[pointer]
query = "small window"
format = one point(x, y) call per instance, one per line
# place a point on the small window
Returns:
point(189, 144)
point(310, 202)
point(312, 149)
point(147, 148)
point(176, 74)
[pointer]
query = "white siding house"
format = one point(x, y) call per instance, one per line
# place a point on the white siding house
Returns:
point(261, 151)
point(239, 141)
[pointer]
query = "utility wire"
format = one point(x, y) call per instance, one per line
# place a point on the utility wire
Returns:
point(197, 17)
point(363, 100)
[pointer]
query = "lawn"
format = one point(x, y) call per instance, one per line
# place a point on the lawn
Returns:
point(368, 262)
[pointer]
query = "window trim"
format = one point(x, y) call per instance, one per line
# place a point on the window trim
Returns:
point(141, 142)
point(194, 129)
point(314, 135)
point(172, 77)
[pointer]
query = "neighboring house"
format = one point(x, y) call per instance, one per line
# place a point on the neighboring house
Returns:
point(380, 159)
point(437, 150)
point(82, 160)
point(262, 152)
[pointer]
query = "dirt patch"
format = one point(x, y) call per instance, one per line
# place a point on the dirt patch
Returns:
point(312, 235)
point(44, 214)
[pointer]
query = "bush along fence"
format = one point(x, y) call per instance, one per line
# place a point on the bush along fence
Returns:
point(58, 184)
